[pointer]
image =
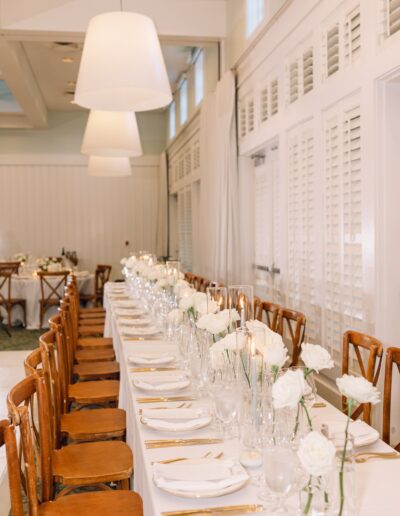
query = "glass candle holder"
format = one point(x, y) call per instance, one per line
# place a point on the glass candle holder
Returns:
point(217, 299)
point(241, 299)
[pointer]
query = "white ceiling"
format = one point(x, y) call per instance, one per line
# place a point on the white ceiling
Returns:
point(56, 79)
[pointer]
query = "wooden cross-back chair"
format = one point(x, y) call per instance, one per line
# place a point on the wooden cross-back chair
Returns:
point(12, 267)
point(87, 312)
point(51, 292)
point(359, 341)
point(294, 323)
point(6, 301)
point(392, 359)
point(265, 311)
point(26, 479)
point(73, 466)
point(102, 276)
point(89, 326)
point(204, 283)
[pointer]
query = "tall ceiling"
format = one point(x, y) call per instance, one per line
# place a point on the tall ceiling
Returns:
point(41, 44)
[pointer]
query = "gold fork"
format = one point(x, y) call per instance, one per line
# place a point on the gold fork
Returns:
point(364, 457)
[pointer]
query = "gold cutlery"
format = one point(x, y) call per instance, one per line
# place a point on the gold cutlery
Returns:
point(141, 338)
point(168, 443)
point(319, 405)
point(179, 459)
point(151, 369)
point(181, 405)
point(362, 457)
point(164, 399)
point(217, 511)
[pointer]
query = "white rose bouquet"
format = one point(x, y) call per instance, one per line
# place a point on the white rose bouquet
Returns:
point(218, 323)
point(315, 358)
point(357, 390)
point(221, 351)
point(274, 351)
point(175, 316)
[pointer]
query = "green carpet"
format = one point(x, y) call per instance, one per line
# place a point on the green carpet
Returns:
point(20, 339)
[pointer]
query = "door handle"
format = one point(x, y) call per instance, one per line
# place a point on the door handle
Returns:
point(267, 268)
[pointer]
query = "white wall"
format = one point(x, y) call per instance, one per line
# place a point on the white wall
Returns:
point(48, 202)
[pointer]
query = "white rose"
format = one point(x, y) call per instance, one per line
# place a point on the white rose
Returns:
point(288, 389)
point(186, 302)
point(186, 292)
point(218, 350)
point(123, 261)
point(315, 357)
point(214, 323)
point(316, 454)
point(162, 283)
point(200, 302)
point(175, 316)
point(272, 348)
point(358, 389)
point(130, 262)
point(179, 285)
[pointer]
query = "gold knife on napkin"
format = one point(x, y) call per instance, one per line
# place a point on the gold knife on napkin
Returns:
point(217, 511)
point(151, 369)
point(163, 399)
point(168, 443)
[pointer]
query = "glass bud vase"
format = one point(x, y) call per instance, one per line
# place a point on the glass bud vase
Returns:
point(315, 499)
point(343, 485)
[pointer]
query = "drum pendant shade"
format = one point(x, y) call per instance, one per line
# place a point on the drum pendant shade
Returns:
point(109, 167)
point(112, 133)
point(122, 66)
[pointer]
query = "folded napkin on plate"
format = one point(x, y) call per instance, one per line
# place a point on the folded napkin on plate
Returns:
point(151, 359)
point(177, 426)
point(126, 303)
point(161, 382)
point(146, 330)
point(140, 321)
point(199, 474)
point(174, 414)
point(132, 312)
point(362, 433)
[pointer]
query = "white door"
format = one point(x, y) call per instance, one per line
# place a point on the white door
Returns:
point(265, 267)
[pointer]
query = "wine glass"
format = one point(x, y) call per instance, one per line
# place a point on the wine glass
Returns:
point(227, 404)
point(282, 472)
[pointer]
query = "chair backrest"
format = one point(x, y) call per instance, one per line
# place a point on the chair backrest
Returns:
point(359, 341)
point(7, 438)
point(12, 267)
point(5, 286)
point(295, 324)
point(265, 311)
point(19, 406)
point(50, 290)
point(392, 358)
point(64, 350)
point(102, 275)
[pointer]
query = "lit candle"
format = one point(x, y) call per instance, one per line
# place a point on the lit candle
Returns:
point(253, 379)
point(242, 315)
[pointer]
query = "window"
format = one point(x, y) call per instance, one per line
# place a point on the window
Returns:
point(332, 50)
point(199, 78)
point(254, 15)
point(172, 120)
point(183, 97)
point(308, 71)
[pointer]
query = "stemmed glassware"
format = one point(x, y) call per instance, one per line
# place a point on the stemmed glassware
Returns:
point(241, 299)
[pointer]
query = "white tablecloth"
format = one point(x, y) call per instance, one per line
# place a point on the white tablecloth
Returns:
point(377, 481)
point(28, 288)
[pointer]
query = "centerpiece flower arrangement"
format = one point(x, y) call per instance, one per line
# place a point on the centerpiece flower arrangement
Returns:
point(20, 257)
point(50, 264)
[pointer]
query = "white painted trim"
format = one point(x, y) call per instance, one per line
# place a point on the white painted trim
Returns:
point(67, 159)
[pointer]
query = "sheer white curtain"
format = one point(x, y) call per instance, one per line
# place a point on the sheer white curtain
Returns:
point(219, 257)
point(162, 212)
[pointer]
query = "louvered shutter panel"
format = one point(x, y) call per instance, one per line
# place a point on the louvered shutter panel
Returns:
point(352, 34)
point(196, 155)
point(274, 97)
point(393, 16)
point(242, 119)
point(181, 226)
point(308, 71)
point(188, 160)
point(264, 104)
point(181, 165)
point(250, 116)
point(293, 81)
point(188, 229)
point(332, 50)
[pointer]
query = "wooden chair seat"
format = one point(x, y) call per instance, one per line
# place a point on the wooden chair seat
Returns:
point(94, 424)
point(91, 322)
point(91, 463)
point(91, 315)
point(94, 393)
point(96, 370)
point(91, 310)
point(91, 331)
point(118, 503)
point(94, 343)
point(94, 355)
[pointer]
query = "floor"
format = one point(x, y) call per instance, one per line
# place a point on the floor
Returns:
point(12, 354)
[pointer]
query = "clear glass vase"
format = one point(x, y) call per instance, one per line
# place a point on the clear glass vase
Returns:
point(315, 499)
point(343, 485)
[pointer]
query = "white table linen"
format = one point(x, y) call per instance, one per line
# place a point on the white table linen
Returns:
point(377, 481)
point(28, 288)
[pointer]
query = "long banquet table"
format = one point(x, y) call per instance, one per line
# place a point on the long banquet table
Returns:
point(376, 480)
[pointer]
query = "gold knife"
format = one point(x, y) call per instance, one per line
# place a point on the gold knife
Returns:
point(216, 511)
point(319, 405)
point(151, 369)
point(141, 338)
point(164, 399)
point(168, 443)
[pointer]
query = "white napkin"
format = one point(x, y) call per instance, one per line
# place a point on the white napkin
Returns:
point(161, 382)
point(363, 434)
point(140, 321)
point(132, 331)
point(81, 274)
point(126, 303)
point(177, 426)
point(133, 312)
point(173, 414)
point(199, 474)
point(151, 359)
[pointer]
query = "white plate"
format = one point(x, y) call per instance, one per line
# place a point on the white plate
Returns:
point(157, 361)
point(166, 389)
point(197, 424)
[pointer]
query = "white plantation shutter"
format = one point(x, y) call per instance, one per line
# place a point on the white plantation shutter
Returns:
point(250, 116)
point(345, 303)
point(185, 227)
point(352, 35)
point(181, 225)
point(301, 228)
point(264, 104)
point(276, 203)
point(308, 71)
point(393, 16)
point(196, 155)
point(332, 50)
point(188, 160)
point(293, 81)
point(242, 119)
point(274, 96)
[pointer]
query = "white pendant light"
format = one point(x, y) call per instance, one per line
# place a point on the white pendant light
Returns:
point(112, 133)
point(102, 166)
point(122, 66)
